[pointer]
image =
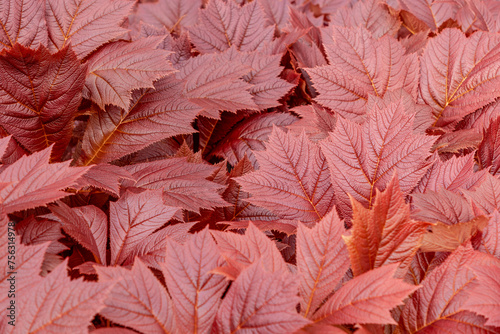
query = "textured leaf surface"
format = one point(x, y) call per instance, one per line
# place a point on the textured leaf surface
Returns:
point(57, 304)
point(118, 68)
point(432, 12)
point(155, 114)
point(361, 65)
point(132, 218)
point(169, 13)
point(184, 184)
point(106, 177)
point(86, 24)
point(367, 298)
point(459, 74)
point(487, 195)
point(34, 182)
point(363, 158)
point(137, 300)
point(22, 22)
point(260, 301)
point(35, 231)
point(194, 289)
point(489, 149)
point(322, 261)
point(490, 242)
point(39, 96)
point(384, 234)
point(223, 25)
point(293, 180)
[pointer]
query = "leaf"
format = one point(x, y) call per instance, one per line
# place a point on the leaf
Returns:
point(195, 291)
point(293, 180)
point(315, 120)
point(366, 299)
point(485, 297)
point(447, 238)
point(132, 218)
point(106, 177)
point(260, 302)
point(322, 261)
point(86, 224)
point(39, 96)
point(154, 114)
point(118, 68)
point(34, 182)
point(223, 25)
point(487, 195)
point(137, 300)
point(439, 305)
point(276, 12)
point(360, 65)
point(35, 231)
point(184, 184)
point(459, 74)
point(432, 12)
point(384, 234)
point(86, 24)
point(241, 251)
point(490, 241)
point(58, 304)
point(363, 158)
point(250, 136)
point(22, 22)
point(488, 151)
point(169, 14)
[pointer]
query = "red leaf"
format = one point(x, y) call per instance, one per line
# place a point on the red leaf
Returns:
point(118, 68)
point(363, 158)
point(132, 218)
point(85, 24)
point(155, 114)
point(195, 291)
point(366, 299)
point(35, 231)
point(490, 241)
point(315, 120)
point(487, 195)
point(223, 25)
point(260, 302)
point(39, 96)
point(489, 150)
point(184, 184)
point(384, 234)
point(57, 304)
point(322, 261)
point(432, 12)
point(293, 181)
point(169, 13)
point(23, 22)
point(106, 177)
point(459, 74)
point(34, 182)
point(137, 300)
point(361, 65)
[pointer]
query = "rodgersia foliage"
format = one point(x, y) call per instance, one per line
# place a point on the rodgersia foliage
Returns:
point(237, 166)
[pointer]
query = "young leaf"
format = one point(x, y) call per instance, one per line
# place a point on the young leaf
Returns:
point(155, 114)
point(132, 218)
point(363, 158)
point(22, 22)
point(137, 300)
point(118, 68)
point(39, 96)
point(322, 261)
point(361, 65)
point(459, 74)
point(86, 24)
point(384, 234)
point(293, 181)
point(260, 302)
point(366, 299)
point(184, 184)
point(34, 182)
point(195, 291)
point(57, 304)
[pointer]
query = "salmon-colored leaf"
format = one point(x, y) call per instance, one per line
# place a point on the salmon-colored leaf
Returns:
point(22, 22)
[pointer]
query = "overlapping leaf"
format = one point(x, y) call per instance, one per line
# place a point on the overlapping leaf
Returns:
point(86, 24)
point(459, 74)
point(118, 68)
point(293, 181)
point(39, 96)
point(322, 261)
point(487, 195)
point(363, 158)
point(22, 22)
point(155, 114)
point(360, 65)
point(490, 241)
point(169, 13)
point(384, 234)
point(489, 149)
point(195, 291)
point(32, 181)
